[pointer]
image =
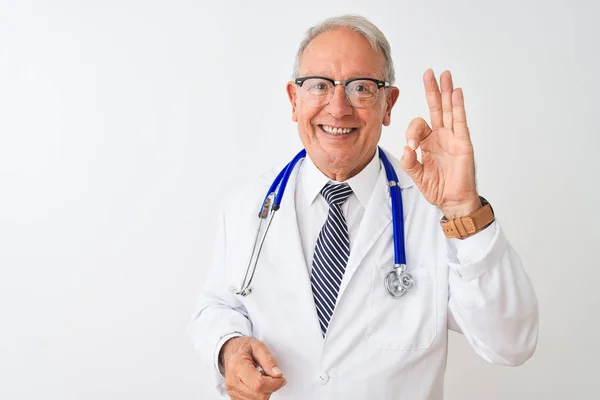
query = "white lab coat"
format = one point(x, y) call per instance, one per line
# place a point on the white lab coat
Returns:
point(376, 347)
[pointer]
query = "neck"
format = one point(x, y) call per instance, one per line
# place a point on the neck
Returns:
point(343, 174)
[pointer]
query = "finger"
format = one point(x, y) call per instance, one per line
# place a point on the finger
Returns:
point(446, 83)
point(417, 131)
point(251, 384)
point(263, 384)
point(260, 389)
point(268, 385)
point(255, 382)
point(246, 372)
point(265, 359)
point(460, 117)
point(237, 390)
point(241, 394)
point(245, 384)
point(411, 165)
point(434, 99)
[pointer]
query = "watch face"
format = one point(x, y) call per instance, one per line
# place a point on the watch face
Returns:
point(484, 202)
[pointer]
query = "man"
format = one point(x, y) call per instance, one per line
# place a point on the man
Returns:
point(319, 323)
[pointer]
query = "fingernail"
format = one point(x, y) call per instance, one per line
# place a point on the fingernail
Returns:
point(277, 371)
point(412, 143)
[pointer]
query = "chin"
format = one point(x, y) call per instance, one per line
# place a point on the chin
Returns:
point(338, 158)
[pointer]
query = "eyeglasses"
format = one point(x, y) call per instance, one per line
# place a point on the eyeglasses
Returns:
point(317, 91)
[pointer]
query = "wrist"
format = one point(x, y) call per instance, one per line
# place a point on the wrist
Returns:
point(467, 225)
point(461, 209)
point(226, 350)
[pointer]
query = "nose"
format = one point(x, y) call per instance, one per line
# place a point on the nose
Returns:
point(338, 105)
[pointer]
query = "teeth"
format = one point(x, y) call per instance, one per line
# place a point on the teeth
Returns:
point(336, 131)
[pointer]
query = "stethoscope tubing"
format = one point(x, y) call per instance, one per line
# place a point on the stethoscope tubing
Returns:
point(397, 210)
point(272, 202)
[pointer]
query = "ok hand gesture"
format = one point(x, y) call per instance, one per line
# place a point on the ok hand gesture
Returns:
point(446, 173)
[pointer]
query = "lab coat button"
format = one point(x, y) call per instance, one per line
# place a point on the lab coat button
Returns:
point(323, 378)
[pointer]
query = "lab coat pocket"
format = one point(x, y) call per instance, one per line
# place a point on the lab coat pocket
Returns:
point(406, 323)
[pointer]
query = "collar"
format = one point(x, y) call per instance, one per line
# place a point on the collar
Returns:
point(362, 184)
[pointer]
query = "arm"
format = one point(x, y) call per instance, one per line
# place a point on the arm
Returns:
point(219, 314)
point(492, 301)
point(491, 298)
point(219, 320)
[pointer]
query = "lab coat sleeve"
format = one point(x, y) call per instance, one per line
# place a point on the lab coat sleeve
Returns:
point(491, 299)
point(219, 315)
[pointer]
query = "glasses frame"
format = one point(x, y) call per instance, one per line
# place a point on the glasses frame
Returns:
point(380, 84)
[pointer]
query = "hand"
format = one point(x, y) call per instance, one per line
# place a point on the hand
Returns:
point(446, 174)
point(239, 357)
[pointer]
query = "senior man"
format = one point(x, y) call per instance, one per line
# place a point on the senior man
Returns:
point(319, 323)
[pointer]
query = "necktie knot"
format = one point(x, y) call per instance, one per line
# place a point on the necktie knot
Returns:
point(336, 194)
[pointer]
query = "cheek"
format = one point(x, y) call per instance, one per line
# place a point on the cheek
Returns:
point(306, 116)
point(371, 118)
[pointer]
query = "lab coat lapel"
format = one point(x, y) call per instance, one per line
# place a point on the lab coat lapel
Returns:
point(376, 219)
point(290, 256)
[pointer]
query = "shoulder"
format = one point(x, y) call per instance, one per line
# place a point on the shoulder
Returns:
point(246, 196)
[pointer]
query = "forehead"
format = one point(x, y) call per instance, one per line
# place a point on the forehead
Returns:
point(342, 54)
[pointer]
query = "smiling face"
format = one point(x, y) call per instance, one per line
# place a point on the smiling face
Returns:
point(341, 139)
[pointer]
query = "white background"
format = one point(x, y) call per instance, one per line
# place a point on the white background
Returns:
point(122, 123)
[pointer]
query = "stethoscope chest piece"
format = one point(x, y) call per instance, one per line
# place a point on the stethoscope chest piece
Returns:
point(398, 282)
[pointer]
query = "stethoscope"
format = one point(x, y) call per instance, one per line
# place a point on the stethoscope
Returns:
point(397, 282)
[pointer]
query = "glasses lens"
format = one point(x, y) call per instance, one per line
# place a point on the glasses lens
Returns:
point(362, 93)
point(316, 92)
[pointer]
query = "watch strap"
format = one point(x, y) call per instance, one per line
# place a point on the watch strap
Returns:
point(468, 225)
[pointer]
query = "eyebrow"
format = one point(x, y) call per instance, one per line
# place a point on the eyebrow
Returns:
point(353, 76)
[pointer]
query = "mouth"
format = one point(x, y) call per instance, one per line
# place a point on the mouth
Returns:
point(336, 130)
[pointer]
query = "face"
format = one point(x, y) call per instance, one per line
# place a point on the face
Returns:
point(340, 55)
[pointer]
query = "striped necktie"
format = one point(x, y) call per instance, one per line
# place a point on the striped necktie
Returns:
point(331, 254)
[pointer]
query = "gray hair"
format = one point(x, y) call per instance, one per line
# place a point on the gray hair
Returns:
point(358, 24)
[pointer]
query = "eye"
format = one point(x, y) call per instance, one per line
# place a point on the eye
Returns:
point(362, 88)
point(317, 87)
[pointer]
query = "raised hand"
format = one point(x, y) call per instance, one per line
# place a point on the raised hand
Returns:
point(446, 173)
point(239, 357)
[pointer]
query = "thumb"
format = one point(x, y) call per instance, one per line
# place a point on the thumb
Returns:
point(265, 360)
point(411, 165)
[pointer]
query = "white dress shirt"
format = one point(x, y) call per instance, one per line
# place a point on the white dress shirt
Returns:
point(312, 208)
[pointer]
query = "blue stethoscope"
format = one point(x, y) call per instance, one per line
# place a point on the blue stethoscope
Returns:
point(397, 282)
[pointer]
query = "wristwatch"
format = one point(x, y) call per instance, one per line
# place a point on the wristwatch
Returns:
point(468, 225)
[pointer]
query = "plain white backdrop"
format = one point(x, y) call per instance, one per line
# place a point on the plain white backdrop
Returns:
point(123, 123)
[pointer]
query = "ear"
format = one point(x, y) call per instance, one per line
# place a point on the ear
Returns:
point(292, 95)
point(392, 96)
